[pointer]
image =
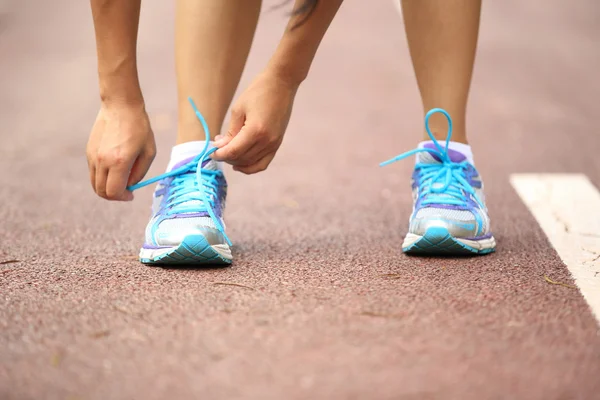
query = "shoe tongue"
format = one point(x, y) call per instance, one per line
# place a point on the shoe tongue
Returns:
point(209, 164)
point(429, 158)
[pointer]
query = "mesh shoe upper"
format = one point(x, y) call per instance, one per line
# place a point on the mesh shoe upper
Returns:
point(179, 209)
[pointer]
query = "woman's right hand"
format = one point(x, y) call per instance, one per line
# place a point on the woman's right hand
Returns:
point(120, 150)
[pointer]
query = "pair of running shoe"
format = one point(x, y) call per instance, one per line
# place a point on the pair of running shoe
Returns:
point(449, 215)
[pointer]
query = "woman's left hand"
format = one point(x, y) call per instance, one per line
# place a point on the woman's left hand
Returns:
point(259, 119)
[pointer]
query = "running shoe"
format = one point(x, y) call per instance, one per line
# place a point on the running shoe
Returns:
point(449, 214)
point(186, 226)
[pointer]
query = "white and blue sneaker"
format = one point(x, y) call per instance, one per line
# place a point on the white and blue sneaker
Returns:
point(187, 225)
point(449, 215)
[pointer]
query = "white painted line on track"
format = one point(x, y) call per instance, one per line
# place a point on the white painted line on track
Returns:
point(567, 207)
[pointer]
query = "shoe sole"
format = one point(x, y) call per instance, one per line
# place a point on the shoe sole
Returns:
point(438, 241)
point(193, 250)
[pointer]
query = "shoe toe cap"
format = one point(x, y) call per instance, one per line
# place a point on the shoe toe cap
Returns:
point(171, 232)
point(461, 225)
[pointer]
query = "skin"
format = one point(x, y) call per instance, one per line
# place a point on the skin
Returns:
point(442, 38)
point(260, 116)
point(212, 42)
point(121, 146)
point(210, 57)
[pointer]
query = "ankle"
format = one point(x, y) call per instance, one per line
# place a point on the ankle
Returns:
point(441, 136)
point(189, 129)
point(438, 125)
point(193, 132)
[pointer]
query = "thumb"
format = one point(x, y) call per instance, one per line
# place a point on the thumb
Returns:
point(140, 167)
point(236, 123)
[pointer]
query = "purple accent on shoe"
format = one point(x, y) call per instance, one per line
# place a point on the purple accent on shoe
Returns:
point(206, 162)
point(471, 174)
point(160, 192)
point(415, 178)
point(487, 236)
point(190, 215)
point(471, 203)
point(152, 247)
point(182, 163)
point(455, 156)
point(446, 207)
point(475, 184)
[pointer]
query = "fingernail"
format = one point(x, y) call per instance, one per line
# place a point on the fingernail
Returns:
point(218, 137)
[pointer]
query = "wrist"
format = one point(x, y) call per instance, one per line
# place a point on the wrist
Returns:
point(291, 75)
point(132, 100)
point(119, 84)
point(113, 93)
point(123, 105)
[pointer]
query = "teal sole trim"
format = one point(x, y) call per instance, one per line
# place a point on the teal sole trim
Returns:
point(194, 250)
point(438, 241)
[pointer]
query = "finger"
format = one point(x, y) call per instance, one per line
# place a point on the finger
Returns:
point(222, 140)
point(236, 150)
point(266, 150)
point(236, 123)
point(140, 167)
point(262, 149)
point(93, 177)
point(100, 181)
point(250, 156)
point(253, 155)
point(116, 183)
point(92, 169)
point(270, 148)
point(257, 167)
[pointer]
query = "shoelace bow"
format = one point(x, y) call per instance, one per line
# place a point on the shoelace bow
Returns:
point(444, 182)
point(191, 182)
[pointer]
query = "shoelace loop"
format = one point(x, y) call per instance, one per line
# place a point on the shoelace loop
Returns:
point(444, 182)
point(203, 187)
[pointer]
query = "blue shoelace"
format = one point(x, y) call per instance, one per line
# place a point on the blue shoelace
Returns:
point(444, 182)
point(191, 182)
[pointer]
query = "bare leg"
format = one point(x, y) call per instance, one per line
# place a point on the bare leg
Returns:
point(442, 38)
point(213, 39)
